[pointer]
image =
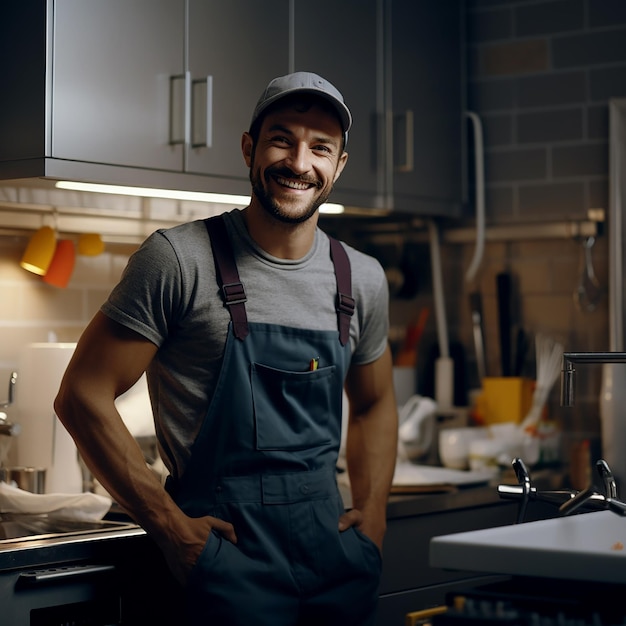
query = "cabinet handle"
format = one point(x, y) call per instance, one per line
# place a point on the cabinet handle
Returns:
point(202, 129)
point(419, 617)
point(54, 574)
point(407, 165)
point(177, 110)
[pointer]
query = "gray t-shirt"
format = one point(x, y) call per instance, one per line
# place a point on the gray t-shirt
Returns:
point(168, 294)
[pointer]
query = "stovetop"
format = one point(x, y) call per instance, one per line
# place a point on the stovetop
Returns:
point(15, 527)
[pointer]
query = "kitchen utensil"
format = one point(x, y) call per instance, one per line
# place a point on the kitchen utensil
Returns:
point(8, 430)
point(32, 479)
point(589, 291)
point(503, 289)
point(454, 445)
point(407, 356)
point(417, 426)
point(505, 399)
point(549, 355)
point(476, 306)
point(521, 349)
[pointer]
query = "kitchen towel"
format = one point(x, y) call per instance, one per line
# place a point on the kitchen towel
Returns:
point(84, 507)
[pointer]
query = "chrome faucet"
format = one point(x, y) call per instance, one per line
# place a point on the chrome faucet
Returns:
point(6, 427)
point(568, 370)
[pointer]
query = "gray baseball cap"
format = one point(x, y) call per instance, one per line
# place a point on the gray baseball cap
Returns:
point(304, 82)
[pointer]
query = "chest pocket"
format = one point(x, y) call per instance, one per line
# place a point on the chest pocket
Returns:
point(292, 410)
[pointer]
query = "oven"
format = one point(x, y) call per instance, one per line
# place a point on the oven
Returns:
point(62, 573)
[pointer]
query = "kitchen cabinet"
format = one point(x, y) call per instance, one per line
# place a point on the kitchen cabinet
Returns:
point(427, 105)
point(158, 92)
point(235, 47)
point(112, 65)
point(349, 57)
point(408, 582)
point(149, 85)
point(400, 68)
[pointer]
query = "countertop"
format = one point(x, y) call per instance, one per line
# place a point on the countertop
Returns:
point(587, 546)
point(35, 551)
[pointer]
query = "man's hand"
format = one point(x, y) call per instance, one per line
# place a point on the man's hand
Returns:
point(355, 518)
point(183, 552)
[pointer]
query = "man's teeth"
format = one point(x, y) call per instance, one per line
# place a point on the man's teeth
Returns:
point(293, 184)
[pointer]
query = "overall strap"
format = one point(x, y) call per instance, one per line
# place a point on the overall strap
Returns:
point(232, 288)
point(345, 301)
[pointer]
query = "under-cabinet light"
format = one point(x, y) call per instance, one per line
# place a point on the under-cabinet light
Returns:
point(174, 194)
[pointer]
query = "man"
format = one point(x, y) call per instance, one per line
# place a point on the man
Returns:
point(249, 326)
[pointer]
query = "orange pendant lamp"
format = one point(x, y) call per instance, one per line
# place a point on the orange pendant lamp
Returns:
point(62, 264)
point(40, 250)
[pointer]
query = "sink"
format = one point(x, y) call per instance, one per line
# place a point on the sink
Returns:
point(586, 546)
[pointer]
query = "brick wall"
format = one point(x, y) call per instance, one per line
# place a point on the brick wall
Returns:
point(540, 75)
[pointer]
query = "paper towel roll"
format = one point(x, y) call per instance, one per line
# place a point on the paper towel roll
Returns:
point(44, 442)
point(136, 411)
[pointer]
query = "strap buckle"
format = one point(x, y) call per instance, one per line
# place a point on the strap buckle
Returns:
point(345, 304)
point(234, 293)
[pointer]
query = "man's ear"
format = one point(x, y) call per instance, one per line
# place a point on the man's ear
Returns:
point(343, 159)
point(247, 144)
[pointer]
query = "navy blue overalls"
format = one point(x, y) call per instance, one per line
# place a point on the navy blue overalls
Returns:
point(265, 461)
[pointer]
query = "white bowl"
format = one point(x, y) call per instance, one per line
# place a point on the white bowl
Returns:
point(454, 444)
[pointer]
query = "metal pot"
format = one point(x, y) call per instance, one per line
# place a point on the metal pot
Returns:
point(31, 479)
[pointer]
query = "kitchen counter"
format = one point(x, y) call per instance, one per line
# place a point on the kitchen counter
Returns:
point(141, 580)
point(52, 548)
point(566, 570)
point(585, 547)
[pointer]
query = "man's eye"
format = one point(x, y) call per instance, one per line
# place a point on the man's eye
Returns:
point(280, 139)
point(321, 148)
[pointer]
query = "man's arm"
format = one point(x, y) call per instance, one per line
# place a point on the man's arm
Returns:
point(108, 360)
point(371, 445)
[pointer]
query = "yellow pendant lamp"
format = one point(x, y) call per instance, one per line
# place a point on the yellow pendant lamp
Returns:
point(40, 250)
point(90, 244)
point(62, 265)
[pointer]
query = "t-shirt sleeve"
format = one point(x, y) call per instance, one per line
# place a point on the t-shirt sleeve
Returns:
point(372, 294)
point(147, 296)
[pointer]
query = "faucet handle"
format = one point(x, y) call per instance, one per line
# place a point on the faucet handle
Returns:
point(608, 481)
point(523, 478)
point(9, 401)
point(580, 499)
point(521, 472)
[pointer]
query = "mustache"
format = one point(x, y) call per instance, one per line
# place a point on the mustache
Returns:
point(285, 172)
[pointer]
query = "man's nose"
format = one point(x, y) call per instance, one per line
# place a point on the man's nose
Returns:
point(299, 158)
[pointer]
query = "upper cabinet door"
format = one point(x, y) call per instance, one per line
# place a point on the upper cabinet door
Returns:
point(235, 48)
point(427, 101)
point(340, 41)
point(114, 86)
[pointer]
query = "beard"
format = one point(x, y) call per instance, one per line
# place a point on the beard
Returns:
point(273, 207)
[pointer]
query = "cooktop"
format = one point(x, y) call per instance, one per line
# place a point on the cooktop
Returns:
point(15, 527)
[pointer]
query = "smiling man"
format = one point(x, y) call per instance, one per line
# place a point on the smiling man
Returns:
point(250, 326)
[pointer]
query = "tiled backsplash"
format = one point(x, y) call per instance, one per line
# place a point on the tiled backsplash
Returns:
point(32, 311)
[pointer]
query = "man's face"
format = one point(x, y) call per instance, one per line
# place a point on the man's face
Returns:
point(297, 158)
